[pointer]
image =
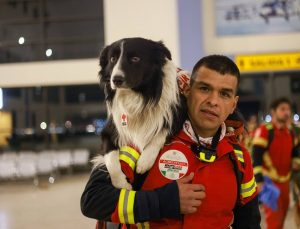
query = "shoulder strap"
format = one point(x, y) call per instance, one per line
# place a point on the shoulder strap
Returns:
point(237, 157)
point(270, 129)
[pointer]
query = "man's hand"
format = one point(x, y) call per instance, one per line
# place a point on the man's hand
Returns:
point(190, 195)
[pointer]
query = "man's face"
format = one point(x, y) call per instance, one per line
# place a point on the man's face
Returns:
point(210, 99)
point(282, 113)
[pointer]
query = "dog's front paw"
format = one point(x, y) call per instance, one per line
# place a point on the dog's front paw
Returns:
point(120, 182)
point(143, 166)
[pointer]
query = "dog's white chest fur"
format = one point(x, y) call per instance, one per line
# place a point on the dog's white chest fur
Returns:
point(134, 125)
point(145, 127)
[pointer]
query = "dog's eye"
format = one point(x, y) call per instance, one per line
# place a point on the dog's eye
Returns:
point(113, 59)
point(135, 59)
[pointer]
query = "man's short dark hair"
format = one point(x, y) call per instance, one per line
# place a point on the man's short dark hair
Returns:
point(277, 102)
point(219, 63)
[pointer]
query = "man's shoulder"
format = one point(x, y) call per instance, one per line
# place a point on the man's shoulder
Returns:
point(240, 151)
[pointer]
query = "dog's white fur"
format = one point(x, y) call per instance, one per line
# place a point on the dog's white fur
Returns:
point(145, 126)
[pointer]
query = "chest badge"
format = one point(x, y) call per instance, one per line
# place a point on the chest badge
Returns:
point(173, 164)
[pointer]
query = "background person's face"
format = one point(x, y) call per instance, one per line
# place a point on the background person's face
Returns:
point(210, 99)
point(282, 113)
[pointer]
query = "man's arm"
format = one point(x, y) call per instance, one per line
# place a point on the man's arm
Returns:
point(247, 216)
point(101, 200)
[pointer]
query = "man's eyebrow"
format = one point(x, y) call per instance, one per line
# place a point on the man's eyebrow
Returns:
point(202, 83)
point(229, 90)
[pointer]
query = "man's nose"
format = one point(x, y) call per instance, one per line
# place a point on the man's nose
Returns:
point(213, 98)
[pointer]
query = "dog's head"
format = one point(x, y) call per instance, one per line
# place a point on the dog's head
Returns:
point(133, 63)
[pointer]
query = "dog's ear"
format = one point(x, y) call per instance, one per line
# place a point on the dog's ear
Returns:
point(103, 60)
point(164, 49)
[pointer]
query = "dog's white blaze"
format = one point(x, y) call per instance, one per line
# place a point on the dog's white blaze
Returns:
point(129, 102)
point(117, 71)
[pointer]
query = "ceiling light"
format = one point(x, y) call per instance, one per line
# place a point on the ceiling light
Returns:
point(49, 52)
point(21, 40)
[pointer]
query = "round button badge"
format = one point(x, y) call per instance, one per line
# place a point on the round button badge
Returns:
point(173, 164)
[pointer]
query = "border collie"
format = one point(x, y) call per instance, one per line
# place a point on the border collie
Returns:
point(144, 105)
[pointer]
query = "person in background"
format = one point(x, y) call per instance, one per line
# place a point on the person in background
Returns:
point(251, 126)
point(273, 151)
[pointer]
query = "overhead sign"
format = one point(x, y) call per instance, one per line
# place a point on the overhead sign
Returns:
point(268, 62)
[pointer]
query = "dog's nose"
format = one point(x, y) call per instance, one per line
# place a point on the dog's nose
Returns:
point(118, 80)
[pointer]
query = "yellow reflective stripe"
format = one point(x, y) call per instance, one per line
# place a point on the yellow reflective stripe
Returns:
point(296, 160)
point(202, 157)
point(257, 169)
point(126, 206)
point(260, 141)
point(269, 126)
point(144, 225)
point(129, 155)
point(130, 207)
point(130, 150)
point(239, 155)
point(248, 188)
point(120, 206)
point(128, 160)
point(272, 172)
point(274, 176)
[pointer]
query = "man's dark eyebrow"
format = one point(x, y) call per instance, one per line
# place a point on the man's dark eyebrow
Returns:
point(228, 90)
point(201, 83)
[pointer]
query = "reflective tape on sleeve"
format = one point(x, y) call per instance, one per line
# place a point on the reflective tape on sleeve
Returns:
point(144, 225)
point(260, 142)
point(247, 189)
point(239, 155)
point(129, 155)
point(126, 206)
point(257, 169)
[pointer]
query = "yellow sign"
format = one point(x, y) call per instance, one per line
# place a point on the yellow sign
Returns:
point(5, 127)
point(268, 62)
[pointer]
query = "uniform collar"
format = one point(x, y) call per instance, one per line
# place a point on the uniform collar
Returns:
point(188, 130)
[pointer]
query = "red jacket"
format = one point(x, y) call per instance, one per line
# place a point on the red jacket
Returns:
point(177, 160)
point(273, 158)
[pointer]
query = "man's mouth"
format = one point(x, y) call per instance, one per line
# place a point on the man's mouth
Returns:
point(210, 113)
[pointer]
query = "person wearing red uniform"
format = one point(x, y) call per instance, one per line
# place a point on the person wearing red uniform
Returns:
point(204, 152)
point(272, 157)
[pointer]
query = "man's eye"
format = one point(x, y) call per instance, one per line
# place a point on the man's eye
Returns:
point(113, 59)
point(225, 94)
point(135, 59)
point(204, 89)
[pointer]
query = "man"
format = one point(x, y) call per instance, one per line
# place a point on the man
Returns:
point(202, 153)
point(273, 149)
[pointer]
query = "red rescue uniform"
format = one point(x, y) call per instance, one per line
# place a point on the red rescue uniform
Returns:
point(273, 159)
point(177, 160)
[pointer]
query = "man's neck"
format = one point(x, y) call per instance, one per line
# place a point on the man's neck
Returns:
point(206, 134)
point(279, 125)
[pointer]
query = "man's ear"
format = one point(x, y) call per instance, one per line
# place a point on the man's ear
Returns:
point(186, 90)
point(236, 99)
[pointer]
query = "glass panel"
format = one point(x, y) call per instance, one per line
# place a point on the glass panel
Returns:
point(46, 30)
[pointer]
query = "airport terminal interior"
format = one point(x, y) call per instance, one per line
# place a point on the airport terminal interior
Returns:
point(49, 132)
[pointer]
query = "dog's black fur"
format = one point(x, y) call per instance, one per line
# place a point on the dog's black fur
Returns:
point(136, 67)
point(145, 78)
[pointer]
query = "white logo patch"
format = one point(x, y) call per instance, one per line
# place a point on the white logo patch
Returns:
point(173, 164)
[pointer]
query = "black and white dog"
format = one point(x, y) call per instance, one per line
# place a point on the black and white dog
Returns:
point(143, 101)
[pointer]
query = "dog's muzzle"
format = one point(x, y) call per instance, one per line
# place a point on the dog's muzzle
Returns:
point(118, 81)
